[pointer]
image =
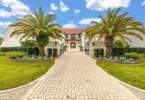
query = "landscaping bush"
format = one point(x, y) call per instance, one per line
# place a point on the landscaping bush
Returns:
point(29, 50)
point(14, 55)
point(28, 43)
point(36, 51)
point(54, 52)
point(122, 51)
point(33, 51)
point(49, 52)
point(118, 52)
point(133, 55)
point(98, 52)
point(2, 54)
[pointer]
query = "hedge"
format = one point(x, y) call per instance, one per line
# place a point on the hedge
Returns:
point(122, 51)
point(33, 51)
point(119, 51)
point(29, 51)
point(98, 52)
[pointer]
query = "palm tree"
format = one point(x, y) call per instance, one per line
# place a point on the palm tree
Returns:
point(40, 27)
point(114, 25)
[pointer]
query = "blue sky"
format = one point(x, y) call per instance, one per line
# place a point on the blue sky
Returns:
point(70, 13)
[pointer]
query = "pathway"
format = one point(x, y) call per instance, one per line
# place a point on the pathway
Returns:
point(75, 76)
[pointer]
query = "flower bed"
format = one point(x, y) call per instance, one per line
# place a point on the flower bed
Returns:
point(33, 59)
point(119, 60)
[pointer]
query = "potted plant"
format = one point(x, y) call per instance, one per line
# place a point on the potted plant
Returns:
point(93, 43)
point(81, 48)
point(65, 47)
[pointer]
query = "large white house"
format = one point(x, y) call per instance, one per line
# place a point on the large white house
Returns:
point(74, 37)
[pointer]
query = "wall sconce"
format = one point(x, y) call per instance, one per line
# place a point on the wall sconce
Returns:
point(93, 43)
point(55, 43)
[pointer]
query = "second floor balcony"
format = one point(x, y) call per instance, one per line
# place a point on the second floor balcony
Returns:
point(72, 36)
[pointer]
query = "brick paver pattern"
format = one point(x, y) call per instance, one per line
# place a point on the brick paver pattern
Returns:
point(75, 76)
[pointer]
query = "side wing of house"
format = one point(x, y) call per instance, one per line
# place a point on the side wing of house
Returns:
point(10, 41)
point(136, 42)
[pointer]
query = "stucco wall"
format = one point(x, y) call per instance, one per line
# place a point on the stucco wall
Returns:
point(137, 42)
point(10, 41)
point(91, 47)
point(52, 45)
point(83, 41)
point(73, 49)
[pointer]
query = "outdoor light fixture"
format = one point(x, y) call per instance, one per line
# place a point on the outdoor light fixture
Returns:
point(93, 43)
point(55, 43)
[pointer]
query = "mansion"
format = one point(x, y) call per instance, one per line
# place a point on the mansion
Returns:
point(74, 39)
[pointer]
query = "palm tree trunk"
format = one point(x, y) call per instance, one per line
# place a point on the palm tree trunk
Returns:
point(42, 53)
point(108, 45)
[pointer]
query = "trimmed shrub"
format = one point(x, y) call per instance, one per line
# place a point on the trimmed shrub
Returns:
point(133, 55)
point(98, 52)
point(33, 51)
point(30, 50)
point(2, 54)
point(118, 52)
point(14, 55)
point(49, 52)
point(54, 52)
point(36, 51)
point(122, 51)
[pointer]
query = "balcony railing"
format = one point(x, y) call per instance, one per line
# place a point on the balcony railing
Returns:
point(73, 39)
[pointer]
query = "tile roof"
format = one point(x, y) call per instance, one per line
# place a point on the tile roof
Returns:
point(73, 30)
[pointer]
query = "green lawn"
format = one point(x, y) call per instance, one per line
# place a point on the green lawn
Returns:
point(14, 74)
point(133, 74)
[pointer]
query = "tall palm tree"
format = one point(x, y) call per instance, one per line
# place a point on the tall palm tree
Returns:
point(114, 25)
point(40, 27)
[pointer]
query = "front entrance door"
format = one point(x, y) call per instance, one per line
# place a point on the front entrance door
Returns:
point(73, 45)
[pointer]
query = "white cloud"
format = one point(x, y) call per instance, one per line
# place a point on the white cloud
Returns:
point(53, 7)
point(71, 22)
point(51, 13)
point(69, 25)
point(143, 3)
point(89, 20)
point(17, 7)
point(77, 11)
point(63, 7)
point(4, 25)
point(5, 14)
point(102, 5)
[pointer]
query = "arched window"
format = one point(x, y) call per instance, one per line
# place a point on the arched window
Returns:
point(72, 45)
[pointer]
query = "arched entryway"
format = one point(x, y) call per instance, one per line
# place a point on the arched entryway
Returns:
point(72, 45)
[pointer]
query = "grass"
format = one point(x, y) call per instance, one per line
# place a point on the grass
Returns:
point(133, 74)
point(13, 55)
point(14, 74)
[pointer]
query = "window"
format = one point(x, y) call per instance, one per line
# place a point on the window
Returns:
point(72, 36)
point(79, 35)
point(72, 45)
point(66, 35)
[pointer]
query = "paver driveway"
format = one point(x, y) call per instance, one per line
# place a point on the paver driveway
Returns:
point(75, 76)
